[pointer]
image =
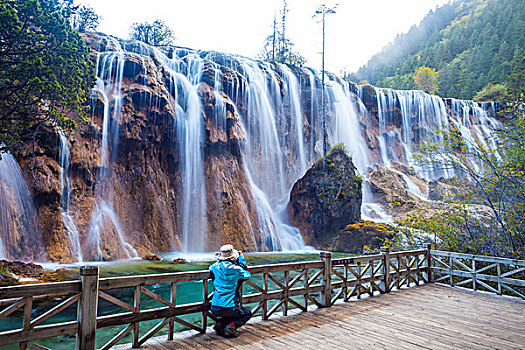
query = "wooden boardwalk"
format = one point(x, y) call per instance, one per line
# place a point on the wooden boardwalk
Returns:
point(424, 317)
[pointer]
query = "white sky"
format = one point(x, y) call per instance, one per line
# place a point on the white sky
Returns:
point(359, 29)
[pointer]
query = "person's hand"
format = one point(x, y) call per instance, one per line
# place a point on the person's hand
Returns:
point(240, 253)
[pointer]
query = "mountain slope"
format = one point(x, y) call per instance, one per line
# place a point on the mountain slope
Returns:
point(469, 42)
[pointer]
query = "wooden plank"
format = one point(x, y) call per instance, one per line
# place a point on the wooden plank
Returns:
point(279, 294)
point(87, 308)
point(39, 332)
point(187, 324)
point(356, 259)
point(31, 290)
point(55, 310)
point(34, 346)
point(296, 278)
point(115, 301)
point(491, 259)
point(136, 310)
point(285, 267)
point(509, 281)
point(154, 296)
point(256, 287)
point(153, 331)
point(117, 337)
point(141, 280)
point(275, 307)
point(277, 283)
point(10, 309)
point(147, 315)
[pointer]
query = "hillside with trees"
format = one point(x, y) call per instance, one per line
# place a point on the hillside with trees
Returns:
point(469, 43)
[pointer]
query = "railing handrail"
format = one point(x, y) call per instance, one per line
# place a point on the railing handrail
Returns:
point(321, 282)
point(484, 258)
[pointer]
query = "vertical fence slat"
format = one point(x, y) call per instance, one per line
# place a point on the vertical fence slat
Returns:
point(326, 294)
point(87, 308)
point(286, 285)
point(474, 286)
point(451, 261)
point(385, 283)
point(265, 304)
point(136, 304)
point(173, 300)
point(307, 287)
point(498, 266)
point(429, 263)
point(28, 308)
point(204, 320)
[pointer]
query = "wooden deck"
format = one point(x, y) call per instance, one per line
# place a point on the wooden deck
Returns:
point(426, 317)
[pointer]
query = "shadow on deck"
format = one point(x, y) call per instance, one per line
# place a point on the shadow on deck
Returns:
point(429, 317)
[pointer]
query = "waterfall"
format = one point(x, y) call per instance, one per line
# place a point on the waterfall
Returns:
point(109, 72)
point(273, 164)
point(65, 200)
point(278, 109)
point(20, 236)
point(185, 71)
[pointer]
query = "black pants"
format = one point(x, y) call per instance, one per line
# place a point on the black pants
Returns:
point(237, 314)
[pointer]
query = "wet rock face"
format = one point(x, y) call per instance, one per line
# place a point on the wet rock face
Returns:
point(144, 176)
point(326, 199)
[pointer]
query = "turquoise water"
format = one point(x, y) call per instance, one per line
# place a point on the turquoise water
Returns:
point(187, 292)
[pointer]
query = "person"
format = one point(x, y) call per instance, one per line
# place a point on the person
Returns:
point(228, 274)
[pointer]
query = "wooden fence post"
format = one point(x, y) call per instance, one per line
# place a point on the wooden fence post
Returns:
point(326, 294)
point(429, 263)
point(87, 308)
point(385, 283)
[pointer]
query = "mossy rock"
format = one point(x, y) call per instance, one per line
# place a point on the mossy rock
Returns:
point(355, 236)
point(326, 198)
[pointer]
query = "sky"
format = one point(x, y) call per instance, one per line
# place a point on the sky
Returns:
point(358, 29)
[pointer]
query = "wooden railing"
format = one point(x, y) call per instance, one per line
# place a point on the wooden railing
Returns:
point(272, 287)
point(480, 273)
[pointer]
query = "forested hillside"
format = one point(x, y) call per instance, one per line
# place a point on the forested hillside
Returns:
point(468, 42)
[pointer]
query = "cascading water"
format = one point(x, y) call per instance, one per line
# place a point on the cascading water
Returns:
point(65, 200)
point(20, 236)
point(263, 154)
point(281, 140)
point(185, 74)
point(109, 72)
point(408, 117)
point(278, 108)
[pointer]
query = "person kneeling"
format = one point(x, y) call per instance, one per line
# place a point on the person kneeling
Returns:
point(228, 274)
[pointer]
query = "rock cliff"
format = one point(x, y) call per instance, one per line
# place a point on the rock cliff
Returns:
point(326, 198)
point(187, 150)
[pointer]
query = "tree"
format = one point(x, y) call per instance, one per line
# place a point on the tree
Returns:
point(489, 216)
point(322, 11)
point(278, 48)
point(491, 92)
point(291, 57)
point(156, 34)
point(426, 79)
point(84, 19)
point(45, 68)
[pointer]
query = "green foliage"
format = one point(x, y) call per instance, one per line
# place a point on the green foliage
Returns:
point(45, 69)
point(469, 43)
point(283, 53)
point(277, 47)
point(426, 79)
point(84, 19)
point(156, 34)
point(491, 92)
point(489, 217)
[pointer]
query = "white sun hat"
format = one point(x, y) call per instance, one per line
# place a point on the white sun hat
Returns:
point(227, 253)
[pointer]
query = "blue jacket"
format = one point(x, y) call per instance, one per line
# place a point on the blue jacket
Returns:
point(227, 278)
